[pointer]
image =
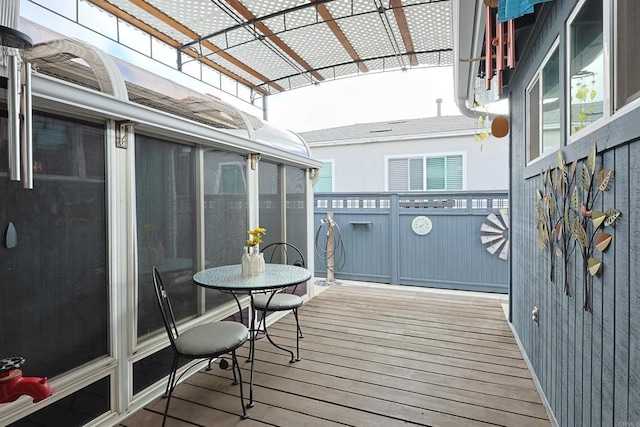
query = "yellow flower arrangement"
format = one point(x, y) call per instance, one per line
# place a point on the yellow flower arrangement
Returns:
point(255, 236)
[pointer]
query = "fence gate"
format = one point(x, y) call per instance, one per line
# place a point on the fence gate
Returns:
point(455, 240)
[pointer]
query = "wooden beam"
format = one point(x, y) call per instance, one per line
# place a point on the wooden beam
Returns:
point(266, 31)
point(342, 38)
point(401, 20)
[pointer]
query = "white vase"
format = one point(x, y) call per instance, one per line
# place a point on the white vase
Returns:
point(252, 262)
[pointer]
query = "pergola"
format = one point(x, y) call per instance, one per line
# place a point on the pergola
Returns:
point(273, 46)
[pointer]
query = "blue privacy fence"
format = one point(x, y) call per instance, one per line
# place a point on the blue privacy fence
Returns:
point(384, 238)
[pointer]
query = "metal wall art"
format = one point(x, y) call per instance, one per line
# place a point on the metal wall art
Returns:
point(567, 215)
point(496, 234)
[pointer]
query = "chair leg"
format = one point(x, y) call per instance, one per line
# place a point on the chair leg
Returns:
point(170, 386)
point(235, 366)
point(172, 376)
point(298, 334)
point(295, 314)
point(266, 333)
point(233, 369)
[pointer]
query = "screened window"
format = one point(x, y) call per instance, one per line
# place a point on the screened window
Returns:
point(54, 309)
point(296, 207)
point(426, 173)
point(225, 214)
point(543, 108)
point(627, 52)
point(165, 206)
point(271, 195)
point(586, 66)
point(325, 181)
point(296, 212)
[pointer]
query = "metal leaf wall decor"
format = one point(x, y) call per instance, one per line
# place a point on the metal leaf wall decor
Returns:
point(546, 222)
point(588, 226)
point(558, 204)
point(567, 218)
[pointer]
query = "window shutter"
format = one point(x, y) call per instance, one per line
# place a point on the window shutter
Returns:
point(435, 173)
point(398, 175)
point(454, 172)
point(416, 175)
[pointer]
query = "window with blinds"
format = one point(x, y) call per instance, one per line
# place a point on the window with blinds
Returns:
point(425, 173)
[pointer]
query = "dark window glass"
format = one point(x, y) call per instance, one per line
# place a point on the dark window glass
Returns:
point(54, 305)
point(165, 205)
point(76, 409)
point(628, 52)
point(151, 369)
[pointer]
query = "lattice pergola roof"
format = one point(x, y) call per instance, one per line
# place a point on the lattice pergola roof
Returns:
point(275, 45)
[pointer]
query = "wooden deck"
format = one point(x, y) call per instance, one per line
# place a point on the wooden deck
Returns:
point(373, 357)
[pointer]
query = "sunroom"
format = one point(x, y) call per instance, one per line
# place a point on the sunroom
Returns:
point(129, 171)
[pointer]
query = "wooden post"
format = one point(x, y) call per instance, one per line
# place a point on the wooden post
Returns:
point(330, 250)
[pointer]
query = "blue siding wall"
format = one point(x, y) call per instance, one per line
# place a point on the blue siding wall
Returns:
point(588, 362)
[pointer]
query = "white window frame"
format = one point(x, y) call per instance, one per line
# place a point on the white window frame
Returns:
point(538, 79)
point(424, 157)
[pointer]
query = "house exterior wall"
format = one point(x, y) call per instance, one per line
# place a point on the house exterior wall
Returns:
point(587, 362)
point(361, 167)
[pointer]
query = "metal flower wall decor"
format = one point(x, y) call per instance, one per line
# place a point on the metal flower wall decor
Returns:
point(567, 216)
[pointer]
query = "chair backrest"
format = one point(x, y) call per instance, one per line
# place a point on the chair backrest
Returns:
point(283, 253)
point(166, 310)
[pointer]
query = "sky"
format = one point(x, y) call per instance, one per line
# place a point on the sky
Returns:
point(375, 97)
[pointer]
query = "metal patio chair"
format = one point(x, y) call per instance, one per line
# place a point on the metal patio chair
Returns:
point(285, 299)
point(207, 341)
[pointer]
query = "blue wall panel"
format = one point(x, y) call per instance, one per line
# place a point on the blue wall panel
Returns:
point(587, 362)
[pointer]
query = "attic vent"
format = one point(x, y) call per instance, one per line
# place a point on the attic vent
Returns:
point(397, 122)
point(379, 131)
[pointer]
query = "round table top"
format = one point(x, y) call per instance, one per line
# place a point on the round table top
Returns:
point(229, 277)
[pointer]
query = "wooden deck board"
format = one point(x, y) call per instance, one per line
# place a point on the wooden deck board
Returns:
point(373, 357)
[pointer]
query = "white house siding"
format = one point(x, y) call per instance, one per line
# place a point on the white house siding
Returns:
point(360, 162)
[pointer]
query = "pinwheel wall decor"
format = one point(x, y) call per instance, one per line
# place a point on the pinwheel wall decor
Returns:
point(496, 234)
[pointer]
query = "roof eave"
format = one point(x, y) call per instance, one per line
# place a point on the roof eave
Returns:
point(396, 138)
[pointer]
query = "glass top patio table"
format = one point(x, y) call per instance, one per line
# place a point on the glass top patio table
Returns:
point(230, 278)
